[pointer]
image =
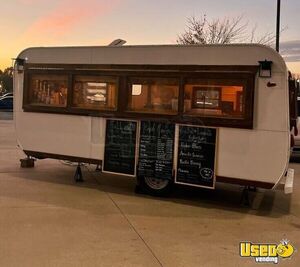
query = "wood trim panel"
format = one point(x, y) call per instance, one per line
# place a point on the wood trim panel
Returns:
point(142, 67)
point(125, 73)
point(220, 179)
point(44, 155)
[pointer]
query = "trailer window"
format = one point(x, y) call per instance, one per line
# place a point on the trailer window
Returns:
point(211, 98)
point(219, 96)
point(153, 95)
point(94, 92)
point(48, 90)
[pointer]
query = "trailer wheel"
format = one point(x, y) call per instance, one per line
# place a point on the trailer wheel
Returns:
point(155, 186)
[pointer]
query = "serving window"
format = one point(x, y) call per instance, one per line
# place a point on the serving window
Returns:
point(219, 96)
point(215, 98)
point(94, 92)
point(153, 95)
point(48, 90)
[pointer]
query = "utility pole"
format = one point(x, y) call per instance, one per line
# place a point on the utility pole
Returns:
point(278, 25)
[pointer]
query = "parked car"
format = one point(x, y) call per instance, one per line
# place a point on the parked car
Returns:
point(7, 94)
point(6, 102)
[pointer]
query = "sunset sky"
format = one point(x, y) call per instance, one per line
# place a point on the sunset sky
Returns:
point(26, 23)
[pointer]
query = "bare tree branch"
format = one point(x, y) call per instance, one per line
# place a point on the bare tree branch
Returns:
point(222, 31)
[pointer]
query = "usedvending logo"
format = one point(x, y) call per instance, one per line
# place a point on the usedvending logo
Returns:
point(267, 253)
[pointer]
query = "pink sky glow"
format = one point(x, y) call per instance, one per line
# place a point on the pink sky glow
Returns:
point(63, 19)
point(27, 23)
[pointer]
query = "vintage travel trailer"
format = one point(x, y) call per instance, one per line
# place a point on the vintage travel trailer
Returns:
point(193, 115)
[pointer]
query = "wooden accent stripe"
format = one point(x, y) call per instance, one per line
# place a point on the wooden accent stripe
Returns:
point(239, 181)
point(143, 67)
point(44, 155)
point(221, 179)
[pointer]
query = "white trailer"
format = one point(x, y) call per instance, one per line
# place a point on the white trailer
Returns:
point(64, 98)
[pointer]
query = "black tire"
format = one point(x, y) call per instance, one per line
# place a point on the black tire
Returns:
point(154, 186)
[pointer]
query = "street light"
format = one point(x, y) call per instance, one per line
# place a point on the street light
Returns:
point(278, 25)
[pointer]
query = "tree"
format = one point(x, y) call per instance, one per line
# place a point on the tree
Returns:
point(221, 31)
point(6, 80)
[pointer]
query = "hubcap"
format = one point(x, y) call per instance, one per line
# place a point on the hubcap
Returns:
point(156, 183)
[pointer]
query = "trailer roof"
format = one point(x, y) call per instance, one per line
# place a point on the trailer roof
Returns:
point(232, 54)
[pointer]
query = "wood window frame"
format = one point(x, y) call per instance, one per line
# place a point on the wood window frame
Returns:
point(151, 79)
point(238, 100)
point(28, 106)
point(184, 73)
point(92, 110)
point(246, 79)
point(69, 109)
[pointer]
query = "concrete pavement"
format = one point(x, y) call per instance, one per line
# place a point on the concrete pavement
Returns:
point(48, 220)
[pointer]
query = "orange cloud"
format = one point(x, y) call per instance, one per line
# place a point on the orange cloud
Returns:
point(30, 2)
point(66, 17)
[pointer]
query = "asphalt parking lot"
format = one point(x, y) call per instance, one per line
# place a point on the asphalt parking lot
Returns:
point(48, 220)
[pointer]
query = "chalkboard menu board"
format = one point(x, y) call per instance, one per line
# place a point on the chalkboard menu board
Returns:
point(156, 149)
point(120, 147)
point(196, 156)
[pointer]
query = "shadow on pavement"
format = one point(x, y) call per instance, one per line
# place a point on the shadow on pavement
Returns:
point(6, 115)
point(224, 197)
